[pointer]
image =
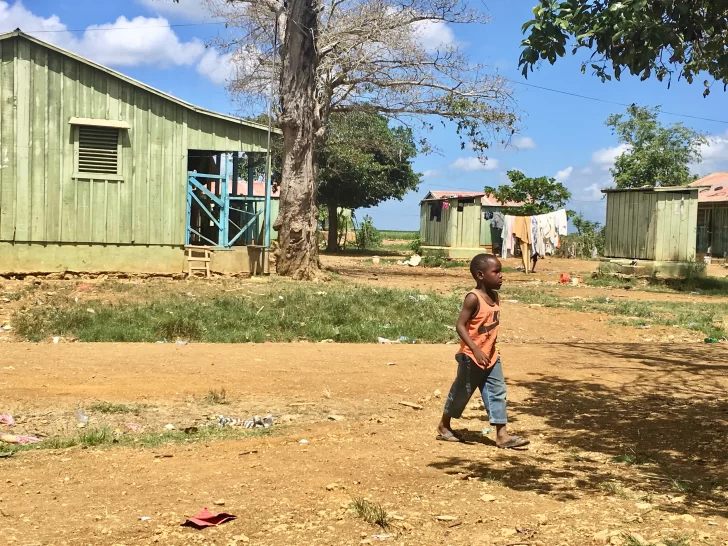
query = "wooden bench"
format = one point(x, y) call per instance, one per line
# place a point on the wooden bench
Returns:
point(198, 259)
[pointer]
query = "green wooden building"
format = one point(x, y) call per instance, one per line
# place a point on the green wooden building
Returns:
point(459, 223)
point(99, 172)
point(653, 224)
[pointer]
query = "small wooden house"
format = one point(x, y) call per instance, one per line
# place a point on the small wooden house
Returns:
point(712, 236)
point(100, 172)
point(459, 223)
point(655, 224)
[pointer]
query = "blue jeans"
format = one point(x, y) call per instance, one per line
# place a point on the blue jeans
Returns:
point(492, 387)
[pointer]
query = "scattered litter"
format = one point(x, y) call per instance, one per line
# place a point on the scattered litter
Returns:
point(249, 452)
point(81, 418)
point(89, 310)
point(564, 278)
point(164, 456)
point(643, 327)
point(169, 426)
point(710, 340)
point(419, 297)
point(6, 328)
point(375, 260)
point(7, 419)
point(335, 417)
point(252, 422)
point(18, 439)
point(437, 393)
point(281, 298)
point(410, 405)
point(486, 431)
point(446, 518)
point(391, 364)
point(134, 427)
point(303, 441)
point(182, 342)
point(512, 301)
point(607, 300)
point(321, 293)
point(451, 328)
point(144, 518)
point(388, 325)
point(219, 502)
point(326, 341)
point(385, 341)
point(6, 454)
point(207, 519)
point(414, 261)
point(381, 537)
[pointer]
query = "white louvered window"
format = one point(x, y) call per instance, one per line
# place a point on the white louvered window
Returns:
point(98, 150)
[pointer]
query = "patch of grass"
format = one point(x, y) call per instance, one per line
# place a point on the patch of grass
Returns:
point(704, 317)
point(677, 541)
point(613, 488)
point(371, 512)
point(631, 540)
point(284, 312)
point(708, 286)
point(575, 456)
point(633, 458)
point(217, 396)
point(104, 437)
point(399, 235)
point(12, 296)
point(108, 407)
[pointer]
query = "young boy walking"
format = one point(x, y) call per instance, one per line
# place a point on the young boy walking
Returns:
point(478, 359)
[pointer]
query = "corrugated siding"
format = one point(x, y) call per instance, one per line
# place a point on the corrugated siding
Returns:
point(432, 232)
point(456, 229)
point(42, 201)
point(651, 225)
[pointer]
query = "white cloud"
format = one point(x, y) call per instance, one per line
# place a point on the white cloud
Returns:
point(148, 41)
point(593, 193)
point(564, 174)
point(125, 42)
point(605, 157)
point(524, 143)
point(218, 67)
point(434, 35)
point(188, 10)
point(716, 149)
point(430, 173)
point(470, 164)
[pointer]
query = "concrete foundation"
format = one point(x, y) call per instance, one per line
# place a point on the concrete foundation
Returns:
point(649, 268)
point(29, 258)
point(454, 253)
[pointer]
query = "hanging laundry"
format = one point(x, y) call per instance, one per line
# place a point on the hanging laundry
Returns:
point(522, 228)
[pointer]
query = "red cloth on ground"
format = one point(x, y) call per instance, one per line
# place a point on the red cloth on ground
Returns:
point(207, 519)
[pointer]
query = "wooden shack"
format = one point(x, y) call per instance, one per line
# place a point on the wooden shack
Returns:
point(656, 224)
point(713, 215)
point(459, 223)
point(100, 172)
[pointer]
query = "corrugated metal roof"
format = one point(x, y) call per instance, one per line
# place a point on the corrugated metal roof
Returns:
point(669, 189)
point(718, 190)
point(485, 200)
point(137, 83)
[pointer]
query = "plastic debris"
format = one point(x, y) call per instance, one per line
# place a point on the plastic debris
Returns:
point(182, 342)
point(169, 426)
point(18, 439)
point(414, 261)
point(81, 418)
point(710, 340)
point(303, 441)
point(7, 419)
point(144, 518)
point(134, 427)
point(207, 519)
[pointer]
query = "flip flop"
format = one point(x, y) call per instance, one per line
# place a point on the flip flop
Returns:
point(447, 437)
point(514, 443)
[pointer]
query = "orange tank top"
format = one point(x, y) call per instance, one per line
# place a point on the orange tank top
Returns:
point(483, 330)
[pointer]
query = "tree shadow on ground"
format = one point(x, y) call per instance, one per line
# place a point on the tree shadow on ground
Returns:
point(660, 432)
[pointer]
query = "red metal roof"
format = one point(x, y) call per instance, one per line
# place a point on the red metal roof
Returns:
point(718, 191)
point(485, 200)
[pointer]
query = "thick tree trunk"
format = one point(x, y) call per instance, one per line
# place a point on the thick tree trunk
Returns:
point(333, 242)
point(297, 221)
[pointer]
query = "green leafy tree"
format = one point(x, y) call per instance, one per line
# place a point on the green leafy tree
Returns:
point(363, 162)
point(659, 38)
point(538, 195)
point(656, 155)
point(583, 226)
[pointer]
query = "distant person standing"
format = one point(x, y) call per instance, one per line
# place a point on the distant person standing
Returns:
point(478, 359)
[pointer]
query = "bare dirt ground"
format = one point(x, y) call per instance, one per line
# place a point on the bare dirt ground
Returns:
point(628, 428)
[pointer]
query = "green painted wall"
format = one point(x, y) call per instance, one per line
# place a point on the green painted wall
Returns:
point(41, 89)
point(457, 229)
point(652, 225)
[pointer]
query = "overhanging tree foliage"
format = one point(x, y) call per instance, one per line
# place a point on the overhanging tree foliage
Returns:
point(538, 195)
point(362, 162)
point(374, 56)
point(655, 155)
point(648, 38)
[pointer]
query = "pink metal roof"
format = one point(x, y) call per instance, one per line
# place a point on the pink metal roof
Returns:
point(718, 191)
point(258, 189)
point(485, 200)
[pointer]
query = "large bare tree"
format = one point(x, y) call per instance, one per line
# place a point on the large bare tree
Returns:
point(378, 56)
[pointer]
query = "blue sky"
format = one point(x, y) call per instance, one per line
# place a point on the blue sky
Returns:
point(560, 135)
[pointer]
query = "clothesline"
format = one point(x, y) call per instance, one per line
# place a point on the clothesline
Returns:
point(538, 234)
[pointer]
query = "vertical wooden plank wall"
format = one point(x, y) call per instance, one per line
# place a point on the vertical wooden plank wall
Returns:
point(41, 201)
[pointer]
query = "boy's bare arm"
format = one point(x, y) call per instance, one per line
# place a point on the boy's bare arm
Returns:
point(470, 307)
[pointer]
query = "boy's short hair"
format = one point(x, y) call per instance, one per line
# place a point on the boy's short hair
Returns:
point(480, 262)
